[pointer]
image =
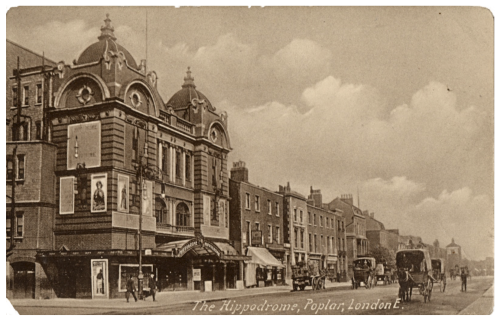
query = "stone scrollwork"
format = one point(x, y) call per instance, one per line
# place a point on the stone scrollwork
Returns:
point(135, 99)
point(80, 118)
point(199, 103)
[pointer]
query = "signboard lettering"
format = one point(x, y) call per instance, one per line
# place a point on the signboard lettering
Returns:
point(84, 144)
point(256, 237)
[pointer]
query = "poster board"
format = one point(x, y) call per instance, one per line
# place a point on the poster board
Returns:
point(99, 191)
point(67, 195)
point(84, 145)
point(123, 193)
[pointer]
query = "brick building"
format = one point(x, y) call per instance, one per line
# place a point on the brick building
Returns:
point(355, 221)
point(326, 236)
point(30, 163)
point(294, 227)
point(256, 226)
point(125, 171)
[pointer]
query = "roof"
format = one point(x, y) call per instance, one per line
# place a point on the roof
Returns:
point(184, 97)
point(373, 224)
point(96, 51)
point(106, 43)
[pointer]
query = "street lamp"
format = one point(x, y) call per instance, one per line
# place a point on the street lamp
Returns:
point(144, 172)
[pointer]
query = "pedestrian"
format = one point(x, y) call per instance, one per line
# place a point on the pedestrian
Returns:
point(130, 289)
point(463, 276)
point(152, 286)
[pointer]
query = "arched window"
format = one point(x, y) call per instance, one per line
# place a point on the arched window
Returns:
point(182, 215)
point(161, 212)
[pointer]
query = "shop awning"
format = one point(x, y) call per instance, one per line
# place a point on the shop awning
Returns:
point(262, 256)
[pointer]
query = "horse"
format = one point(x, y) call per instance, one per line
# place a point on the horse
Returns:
point(405, 285)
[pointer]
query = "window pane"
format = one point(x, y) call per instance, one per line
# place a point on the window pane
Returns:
point(20, 225)
point(14, 96)
point(20, 165)
point(39, 93)
point(26, 95)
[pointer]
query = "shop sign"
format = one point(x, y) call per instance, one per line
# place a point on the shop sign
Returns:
point(198, 242)
point(256, 237)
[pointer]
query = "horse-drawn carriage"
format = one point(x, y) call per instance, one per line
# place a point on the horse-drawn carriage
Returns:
point(438, 272)
point(414, 270)
point(384, 274)
point(364, 272)
point(308, 275)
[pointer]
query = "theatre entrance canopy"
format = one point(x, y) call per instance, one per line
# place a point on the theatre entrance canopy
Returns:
point(200, 247)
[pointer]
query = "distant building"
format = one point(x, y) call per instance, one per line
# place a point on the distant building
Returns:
point(325, 236)
point(453, 254)
point(355, 221)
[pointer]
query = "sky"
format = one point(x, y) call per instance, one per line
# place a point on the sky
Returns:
point(391, 105)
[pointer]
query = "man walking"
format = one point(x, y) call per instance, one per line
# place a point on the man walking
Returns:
point(152, 286)
point(130, 289)
point(463, 276)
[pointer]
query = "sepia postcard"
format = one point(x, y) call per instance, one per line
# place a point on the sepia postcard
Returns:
point(249, 161)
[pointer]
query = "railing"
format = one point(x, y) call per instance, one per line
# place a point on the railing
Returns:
point(184, 126)
point(174, 229)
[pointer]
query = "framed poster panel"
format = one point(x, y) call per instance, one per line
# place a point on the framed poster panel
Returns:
point(123, 193)
point(99, 190)
point(99, 275)
point(84, 144)
point(67, 195)
point(147, 199)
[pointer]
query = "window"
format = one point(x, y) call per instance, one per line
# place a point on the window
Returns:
point(310, 243)
point(309, 218)
point(20, 167)
point(10, 167)
point(277, 209)
point(314, 219)
point(295, 237)
point(247, 201)
point(270, 234)
point(301, 216)
point(38, 93)
point(343, 226)
point(135, 144)
point(295, 214)
point(315, 243)
point(14, 96)
point(178, 164)
point(188, 167)
point(321, 221)
point(182, 215)
point(19, 226)
point(7, 225)
point(321, 245)
point(338, 224)
point(38, 128)
point(257, 228)
point(257, 203)
point(26, 95)
point(164, 159)
point(338, 246)
point(277, 235)
point(302, 239)
point(269, 207)
point(249, 233)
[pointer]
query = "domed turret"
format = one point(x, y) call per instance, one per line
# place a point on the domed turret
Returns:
point(107, 42)
point(188, 95)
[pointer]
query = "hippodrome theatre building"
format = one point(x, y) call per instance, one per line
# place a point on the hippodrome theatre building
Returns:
point(118, 151)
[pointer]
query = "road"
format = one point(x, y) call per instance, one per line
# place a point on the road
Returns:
point(380, 300)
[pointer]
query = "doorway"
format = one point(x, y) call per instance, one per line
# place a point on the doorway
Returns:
point(24, 280)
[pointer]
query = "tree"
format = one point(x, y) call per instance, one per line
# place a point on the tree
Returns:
point(384, 255)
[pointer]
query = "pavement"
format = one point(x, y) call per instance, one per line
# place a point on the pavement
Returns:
point(481, 306)
point(162, 298)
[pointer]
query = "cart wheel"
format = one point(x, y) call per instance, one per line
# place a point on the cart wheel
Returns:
point(429, 296)
point(294, 287)
point(302, 287)
point(425, 298)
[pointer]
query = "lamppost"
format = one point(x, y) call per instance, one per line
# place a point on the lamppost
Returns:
point(143, 172)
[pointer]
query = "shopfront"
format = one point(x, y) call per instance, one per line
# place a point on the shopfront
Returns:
point(263, 269)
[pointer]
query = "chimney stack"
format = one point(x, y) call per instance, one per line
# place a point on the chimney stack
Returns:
point(316, 197)
point(347, 198)
point(239, 172)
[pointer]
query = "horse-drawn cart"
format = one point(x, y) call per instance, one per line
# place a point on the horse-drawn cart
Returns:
point(414, 270)
point(438, 272)
point(364, 272)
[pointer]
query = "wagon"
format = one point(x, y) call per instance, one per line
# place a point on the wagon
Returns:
point(414, 270)
point(307, 275)
point(364, 272)
point(383, 274)
point(438, 272)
